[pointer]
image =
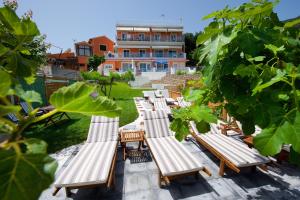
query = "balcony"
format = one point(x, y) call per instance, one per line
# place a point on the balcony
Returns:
point(150, 41)
point(145, 55)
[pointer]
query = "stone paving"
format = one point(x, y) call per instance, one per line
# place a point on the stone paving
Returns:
point(136, 181)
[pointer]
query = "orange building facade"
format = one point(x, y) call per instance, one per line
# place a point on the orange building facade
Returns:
point(147, 48)
point(99, 46)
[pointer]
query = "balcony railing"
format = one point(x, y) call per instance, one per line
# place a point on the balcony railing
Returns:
point(146, 55)
point(152, 39)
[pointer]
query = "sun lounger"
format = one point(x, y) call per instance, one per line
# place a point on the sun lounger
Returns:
point(161, 93)
point(160, 104)
point(171, 158)
point(231, 152)
point(101, 119)
point(182, 103)
point(49, 120)
point(94, 164)
point(149, 94)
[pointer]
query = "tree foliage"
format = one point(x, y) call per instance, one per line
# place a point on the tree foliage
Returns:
point(94, 61)
point(253, 68)
point(26, 168)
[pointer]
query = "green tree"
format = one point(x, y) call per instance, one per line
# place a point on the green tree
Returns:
point(26, 168)
point(252, 65)
point(94, 61)
point(190, 46)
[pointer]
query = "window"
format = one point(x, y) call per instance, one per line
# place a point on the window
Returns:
point(124, 36)
point(172, 54)
point(84, 50)
point(157, 37)
point(126, 53)
point(126, 67)
point(102, 47)
point(159, 53)
point(141, 36)
point(144, 67)
point(142, 53)
point(162, 67)
point(173, 38)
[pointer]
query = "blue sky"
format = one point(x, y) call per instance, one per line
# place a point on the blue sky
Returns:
point(64, 21)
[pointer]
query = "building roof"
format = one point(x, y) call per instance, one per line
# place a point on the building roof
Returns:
point(101, 36)
point(152, 24)
point(64, 55)
point(83, 43)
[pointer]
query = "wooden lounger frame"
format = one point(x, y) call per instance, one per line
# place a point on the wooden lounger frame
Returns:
point(110, 182)
point(166, 179)
point(223, 160)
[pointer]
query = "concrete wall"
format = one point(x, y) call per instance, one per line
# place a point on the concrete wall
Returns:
point(154, 75)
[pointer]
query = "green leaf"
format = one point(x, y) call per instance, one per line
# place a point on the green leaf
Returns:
point(268, 141)
point(36, 146)
point(4, 83)
point(292, 23)
point(245, 71)
point(203, 127)
point(195, 95)
point(28, 96)
point(3, 50)
point(181, 128)
point(257, 58)
point(204, 113)
point(274, 49)
point(77, 98)
point(291, 133)
point(4, 110)
point(24, 176)
point(279, 77)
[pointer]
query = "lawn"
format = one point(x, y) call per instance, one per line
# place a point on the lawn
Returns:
point(74, 131)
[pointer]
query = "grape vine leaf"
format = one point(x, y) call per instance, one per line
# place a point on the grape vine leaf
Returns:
point(280, 76)
point(268, 141)
point(4, 83)
point(77, 98)
point(17, 172)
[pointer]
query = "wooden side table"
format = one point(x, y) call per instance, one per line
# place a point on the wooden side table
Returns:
point(131, 136)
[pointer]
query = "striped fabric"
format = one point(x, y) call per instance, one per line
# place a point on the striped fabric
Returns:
point(102, 119)
point(102, 132)
point(159, 114)
point(235, 151)
point(171, 156)
point(162, 105)
point(162, 93)
point(156, 128)
point(149, 94)
point(182, 103)
point(90, 166)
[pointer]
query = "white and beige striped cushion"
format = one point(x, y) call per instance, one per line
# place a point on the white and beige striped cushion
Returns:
point(159, 114)
point(102, 132)
point(156, 128)
point(171, 156)
point(102, 119)
point(149, 94)
point(162, 105)
point(235, 151)
point(90, 166)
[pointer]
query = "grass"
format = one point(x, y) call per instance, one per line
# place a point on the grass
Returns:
point(74, 131)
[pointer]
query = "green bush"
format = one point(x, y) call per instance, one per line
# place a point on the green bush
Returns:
point(181, 72)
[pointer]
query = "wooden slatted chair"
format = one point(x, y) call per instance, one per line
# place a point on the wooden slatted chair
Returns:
point(94, 164)
point(171, 157)
point(231, 152)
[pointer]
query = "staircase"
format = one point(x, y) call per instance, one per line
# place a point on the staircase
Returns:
point(172, 82)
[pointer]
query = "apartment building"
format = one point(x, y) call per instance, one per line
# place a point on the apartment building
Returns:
point(147, 48)
point(99, 46)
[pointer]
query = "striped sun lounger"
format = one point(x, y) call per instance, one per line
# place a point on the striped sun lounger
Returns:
point(231, 152)
point(171, 157)
point(160, 104)
point(94, 164)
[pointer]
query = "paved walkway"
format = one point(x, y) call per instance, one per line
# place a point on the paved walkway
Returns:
point(135, 181)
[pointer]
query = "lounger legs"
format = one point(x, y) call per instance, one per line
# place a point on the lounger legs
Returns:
point(55, 191)
point(222, 168)
point(68, 192)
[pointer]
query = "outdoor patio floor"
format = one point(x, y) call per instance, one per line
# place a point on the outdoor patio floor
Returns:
point(136, 181)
